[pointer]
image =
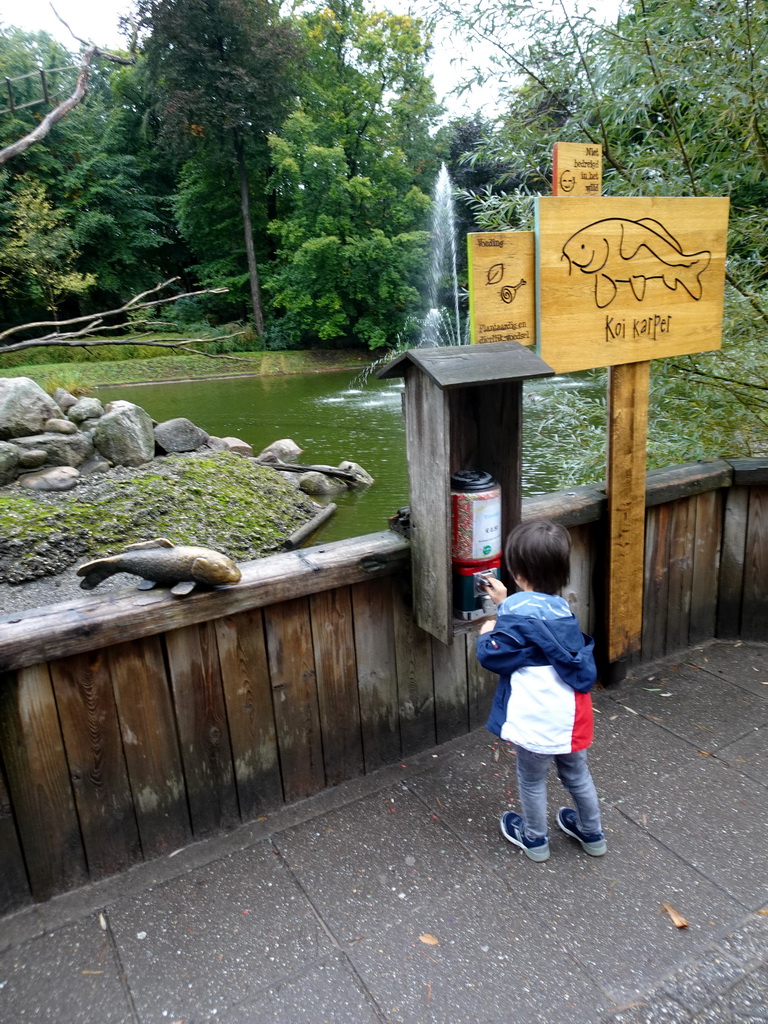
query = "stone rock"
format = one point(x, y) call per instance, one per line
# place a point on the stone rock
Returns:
point(9, 461)
point(124, 435)
point(216, 444)
point(96, 464)
point(86, 409)
point(362, 477)
point(64, 399)
point(319, 483)
point(234, 444)
point(24, 408)
point(60, 449)
point(179, 435)
point(33, 458)
point(59, 426)
point(59, 478)
point(285, 449)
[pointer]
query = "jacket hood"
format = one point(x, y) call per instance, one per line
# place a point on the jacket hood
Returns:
point(558, 642)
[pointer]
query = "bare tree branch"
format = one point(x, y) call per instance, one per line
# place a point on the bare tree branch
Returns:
point(93, 323)
point(97, 318)
point(81, 87)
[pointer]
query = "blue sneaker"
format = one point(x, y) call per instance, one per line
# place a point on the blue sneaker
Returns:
point(513, 830)
point(592, 843)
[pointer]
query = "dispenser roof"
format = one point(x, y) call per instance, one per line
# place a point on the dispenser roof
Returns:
point(456, 366)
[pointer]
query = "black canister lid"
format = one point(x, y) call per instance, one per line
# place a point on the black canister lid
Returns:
point(468, 480)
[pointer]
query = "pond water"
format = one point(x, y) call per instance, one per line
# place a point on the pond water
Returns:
point(332, 416)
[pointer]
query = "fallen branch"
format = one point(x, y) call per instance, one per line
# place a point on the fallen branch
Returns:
point(93, 323)
point(291, 467)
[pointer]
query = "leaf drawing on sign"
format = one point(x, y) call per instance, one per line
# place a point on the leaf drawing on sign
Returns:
point(495, 273)
point(508, 292)
point(633, 252)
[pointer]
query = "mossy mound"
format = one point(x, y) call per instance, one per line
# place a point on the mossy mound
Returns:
point(222, 501)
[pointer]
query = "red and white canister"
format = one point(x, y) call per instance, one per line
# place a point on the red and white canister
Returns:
point(475, 518)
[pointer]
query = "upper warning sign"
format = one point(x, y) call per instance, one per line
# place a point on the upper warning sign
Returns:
point(577, 169)
point(502, 303)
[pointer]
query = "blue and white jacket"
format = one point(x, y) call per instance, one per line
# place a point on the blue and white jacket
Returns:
point(547, 668)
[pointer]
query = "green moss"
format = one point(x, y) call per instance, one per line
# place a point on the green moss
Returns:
point(222, 501)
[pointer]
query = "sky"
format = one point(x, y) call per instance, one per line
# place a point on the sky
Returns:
point(97, 21)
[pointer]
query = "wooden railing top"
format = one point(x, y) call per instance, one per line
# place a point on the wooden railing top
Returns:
point(72, 627)
point(59, 630)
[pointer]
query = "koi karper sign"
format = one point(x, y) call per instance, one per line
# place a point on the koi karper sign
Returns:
point(628, 280)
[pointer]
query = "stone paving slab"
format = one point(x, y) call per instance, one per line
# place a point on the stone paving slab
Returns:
point(714, 819)
point(193, 947)
point(328, 992)
point(743, 664)
point(706, 710)
point(368, 863)
point(749, 755)
point(494, 961)
point(71, 975)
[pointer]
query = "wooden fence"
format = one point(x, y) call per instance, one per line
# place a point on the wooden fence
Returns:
point(131, 725)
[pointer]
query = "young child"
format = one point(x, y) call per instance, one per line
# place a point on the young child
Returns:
point(542, 702)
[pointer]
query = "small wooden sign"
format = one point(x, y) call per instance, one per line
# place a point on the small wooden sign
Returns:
point(577, 169)
point(502, 296)
point(625, 280)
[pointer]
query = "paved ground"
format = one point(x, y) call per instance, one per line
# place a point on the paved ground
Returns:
point(394, 899)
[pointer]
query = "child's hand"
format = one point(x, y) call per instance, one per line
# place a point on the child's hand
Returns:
point(495, 589)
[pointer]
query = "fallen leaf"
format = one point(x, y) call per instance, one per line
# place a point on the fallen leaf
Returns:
point(91, 972)
point(677, 919)
point(429, 940)
point(102, 922)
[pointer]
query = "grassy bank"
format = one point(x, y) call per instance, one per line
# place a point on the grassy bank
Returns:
point(80, 378)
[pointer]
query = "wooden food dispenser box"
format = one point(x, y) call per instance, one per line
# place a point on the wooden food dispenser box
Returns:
point(463, 412)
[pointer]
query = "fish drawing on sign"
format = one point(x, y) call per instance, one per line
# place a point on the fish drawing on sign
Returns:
point(633, 252)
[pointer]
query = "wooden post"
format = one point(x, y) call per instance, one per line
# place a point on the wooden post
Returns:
point(628, 387)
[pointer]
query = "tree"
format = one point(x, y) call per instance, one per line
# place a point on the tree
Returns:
point(675, 94)
point(39, 256)
point(352, 166)
point(222, 72)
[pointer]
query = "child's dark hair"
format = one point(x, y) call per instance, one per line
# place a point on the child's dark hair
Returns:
point(540, 552)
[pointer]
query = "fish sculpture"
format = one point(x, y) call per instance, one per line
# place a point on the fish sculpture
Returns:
point(179, 566)
point(633, 252)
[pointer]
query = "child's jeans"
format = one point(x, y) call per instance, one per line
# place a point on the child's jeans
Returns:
point(532, 770)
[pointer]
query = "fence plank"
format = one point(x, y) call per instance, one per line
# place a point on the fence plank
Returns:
point(334, 643)
point(706, 565)
point(481, 685)
point(656, 590)
point(754, 618)
point(148, 728)
point(579, 592)
point(732, 562)
point(248, 699)
point(681, 547)
point(415, 688)
point(203, 733)
point(39, 783)
point(449, 668)
point(294, 696)
point(376, 672)
point(14, 886)
point(91, 732)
